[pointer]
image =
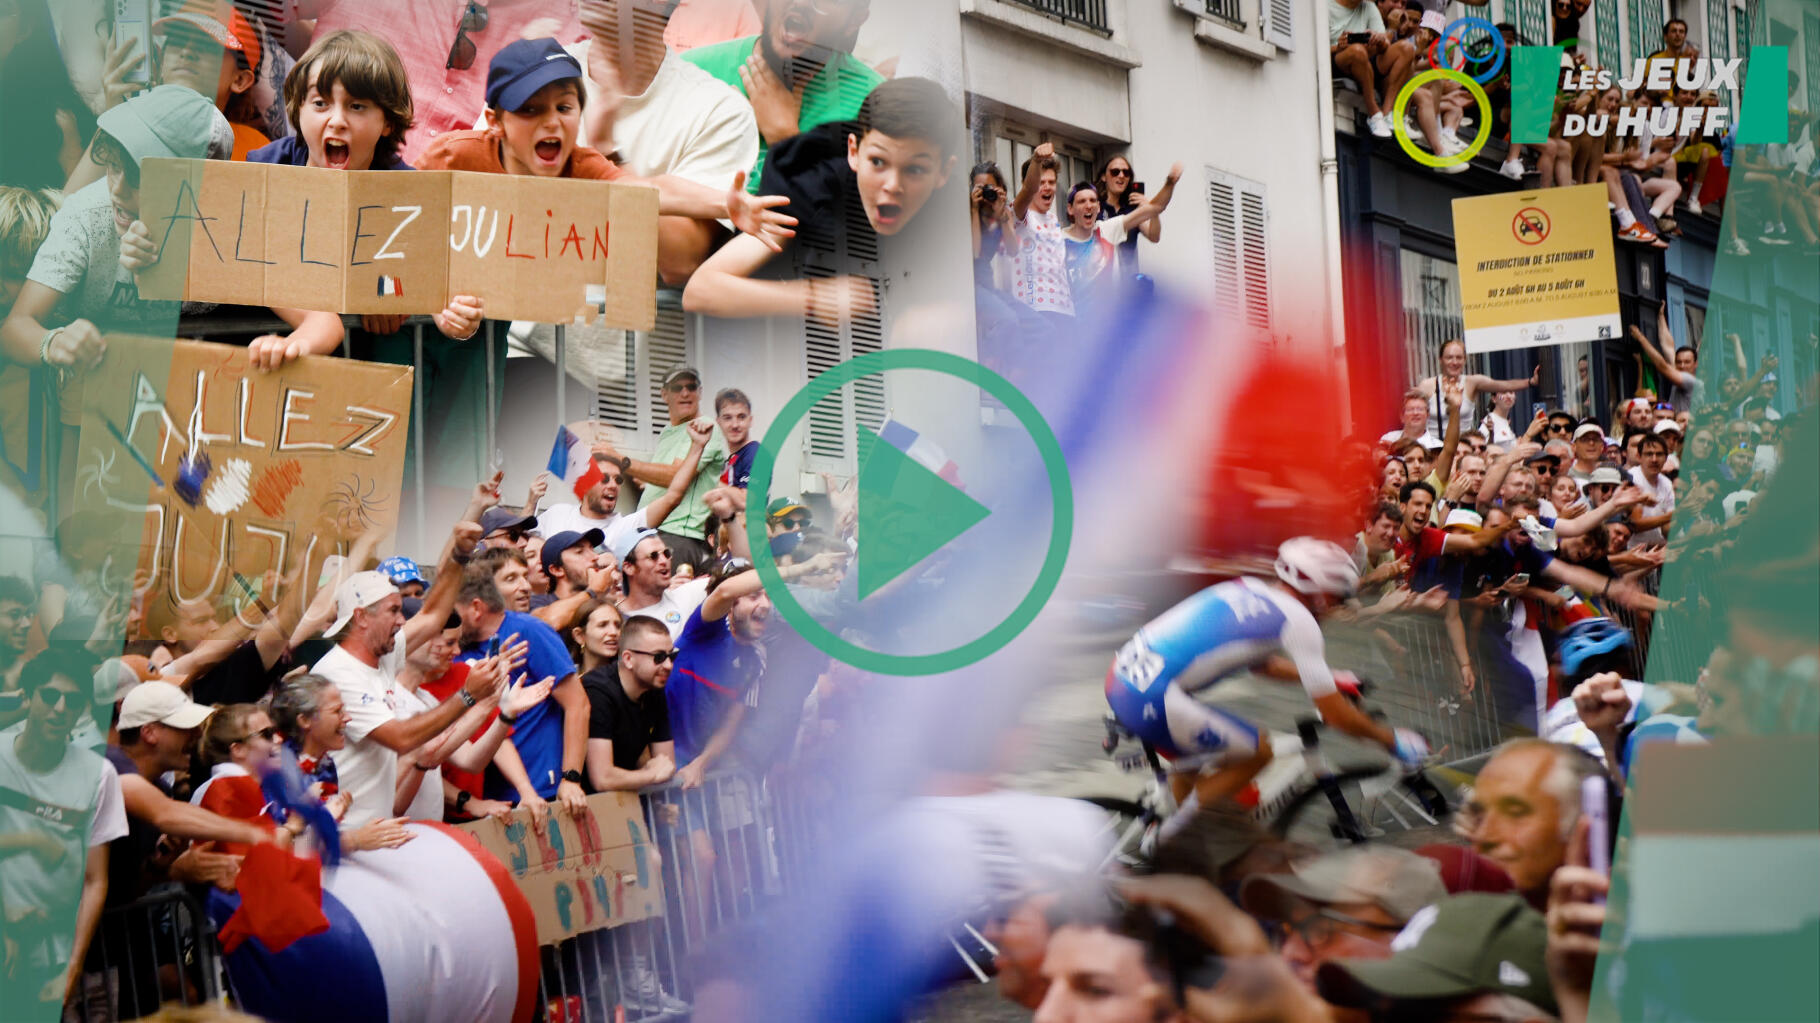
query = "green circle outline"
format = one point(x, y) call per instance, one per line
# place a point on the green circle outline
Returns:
point(1415, 152)
point(1061, 529)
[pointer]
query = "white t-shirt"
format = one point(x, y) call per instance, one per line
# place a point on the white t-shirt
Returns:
point(368, 769)
point(1042, 264)
point(426, 805)
point(560, 517)
point(1662, 501)
point(686, 122)
point(1425, 440)
point(1496, 429)
point(678, 603)
point(54, 803)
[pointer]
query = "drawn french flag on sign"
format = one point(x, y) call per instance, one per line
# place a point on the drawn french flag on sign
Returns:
point(390, 286)
point(924, 451)
point(574, 462)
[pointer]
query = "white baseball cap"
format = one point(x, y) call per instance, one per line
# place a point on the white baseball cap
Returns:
point(163, 703)
point(362, 589)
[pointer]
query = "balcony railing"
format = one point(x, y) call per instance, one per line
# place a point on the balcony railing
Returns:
point(1088, 14)
point(1227, 11)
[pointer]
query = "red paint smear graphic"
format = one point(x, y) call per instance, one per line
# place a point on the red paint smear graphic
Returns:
point(274, 486)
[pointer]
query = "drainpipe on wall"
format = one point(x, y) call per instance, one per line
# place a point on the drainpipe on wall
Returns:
point(1330, 205)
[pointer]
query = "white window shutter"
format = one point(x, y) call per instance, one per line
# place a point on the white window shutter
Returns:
point(666, 346)
point(829, 444)
point(1279, 22)
point(1237, 213)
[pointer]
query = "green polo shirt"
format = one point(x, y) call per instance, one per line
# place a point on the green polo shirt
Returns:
point(692, 513)
point(834, 94)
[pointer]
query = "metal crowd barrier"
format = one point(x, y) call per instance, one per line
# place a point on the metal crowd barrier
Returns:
point(157, 951)
point(729, 851)
point(1411, 664)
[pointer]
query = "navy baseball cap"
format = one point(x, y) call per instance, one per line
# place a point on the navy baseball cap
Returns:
point(496, 518)
point(555, 545)
point(521, 68)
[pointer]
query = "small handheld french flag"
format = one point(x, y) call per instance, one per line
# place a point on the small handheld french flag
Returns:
point(924, 451)
point(574, 462)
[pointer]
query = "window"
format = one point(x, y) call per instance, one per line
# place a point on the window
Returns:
point(1531, 19)
point(1241, 249)
point(1431, 311)
point(1606, 20)
point(628, 392)
point(1646, 21)
point(1011, 144)
point(1088, 14)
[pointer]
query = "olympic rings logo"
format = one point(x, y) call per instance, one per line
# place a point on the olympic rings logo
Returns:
point(1472, 83)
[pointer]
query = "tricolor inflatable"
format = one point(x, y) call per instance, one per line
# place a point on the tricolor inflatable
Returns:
point(433, 930)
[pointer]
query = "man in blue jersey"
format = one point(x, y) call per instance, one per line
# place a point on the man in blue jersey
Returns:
point(1247, 623)
point(544, 757)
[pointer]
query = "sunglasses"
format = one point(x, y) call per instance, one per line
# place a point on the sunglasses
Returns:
point(463, 54)
point(1560, 427)
point(657, 656)
point(795, 522)
point(661, 554)
point(57, 699)
point(268, 734)
point(1119, 172)
point(686, 385)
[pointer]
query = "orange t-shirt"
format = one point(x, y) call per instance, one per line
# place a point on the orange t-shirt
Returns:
point(478, 150)
point(247, 139)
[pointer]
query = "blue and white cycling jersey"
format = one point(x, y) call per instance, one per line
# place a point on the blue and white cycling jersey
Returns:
point(1198, 643)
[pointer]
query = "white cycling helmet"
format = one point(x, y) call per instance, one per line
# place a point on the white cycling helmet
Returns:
point(1315, 566)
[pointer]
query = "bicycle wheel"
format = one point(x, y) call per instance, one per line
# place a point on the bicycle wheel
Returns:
point(1310, 816)
point(1129, 824)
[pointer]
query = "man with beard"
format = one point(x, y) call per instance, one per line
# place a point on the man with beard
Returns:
point(374, 640)
point(548, 748)
point(799, 72)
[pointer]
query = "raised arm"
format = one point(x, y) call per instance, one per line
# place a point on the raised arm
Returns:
point(1450, 438)
point(1664, 365)
point(1039, 161)
point(1628, 496)
point(182, 820)
point(683, 476)
point(1153, 206)
point(1483, 384)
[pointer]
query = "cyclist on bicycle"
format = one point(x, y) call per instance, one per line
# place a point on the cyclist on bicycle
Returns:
point(1243, 624)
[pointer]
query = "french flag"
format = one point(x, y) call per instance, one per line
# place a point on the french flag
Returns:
point(924, 451)
point(574, 462)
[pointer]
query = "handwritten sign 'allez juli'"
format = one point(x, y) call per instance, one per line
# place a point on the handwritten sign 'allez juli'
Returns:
point(398, 242)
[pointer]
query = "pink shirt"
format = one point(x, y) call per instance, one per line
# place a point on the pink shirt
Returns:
point(423, 32)
point(706, 22)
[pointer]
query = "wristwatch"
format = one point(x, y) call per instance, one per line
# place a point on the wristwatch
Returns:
point(574, 776)
point(467, 698)
point(461, 801)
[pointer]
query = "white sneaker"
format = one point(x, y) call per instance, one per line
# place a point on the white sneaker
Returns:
point(643, 992)
point(1454, 168)
point(1379, 125)
point(1693, 205)
point(1736, 247)
point(1513, 169)
point(1452, 138)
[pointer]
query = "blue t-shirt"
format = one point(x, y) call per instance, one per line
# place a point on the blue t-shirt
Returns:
point(291, 151)
point(713, 672)
point(738, 470)
point(538, 731)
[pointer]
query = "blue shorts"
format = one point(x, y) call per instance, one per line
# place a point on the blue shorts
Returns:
point(1190, 734)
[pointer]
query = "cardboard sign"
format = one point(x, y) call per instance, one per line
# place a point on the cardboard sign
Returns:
point(1536, 268)
point(227, 473)
point(579, 874)
point(399, 242)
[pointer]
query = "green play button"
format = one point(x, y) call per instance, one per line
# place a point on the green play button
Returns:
point(906, 512)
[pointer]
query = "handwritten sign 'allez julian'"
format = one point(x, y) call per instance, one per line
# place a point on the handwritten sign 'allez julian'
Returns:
point(399, 242)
